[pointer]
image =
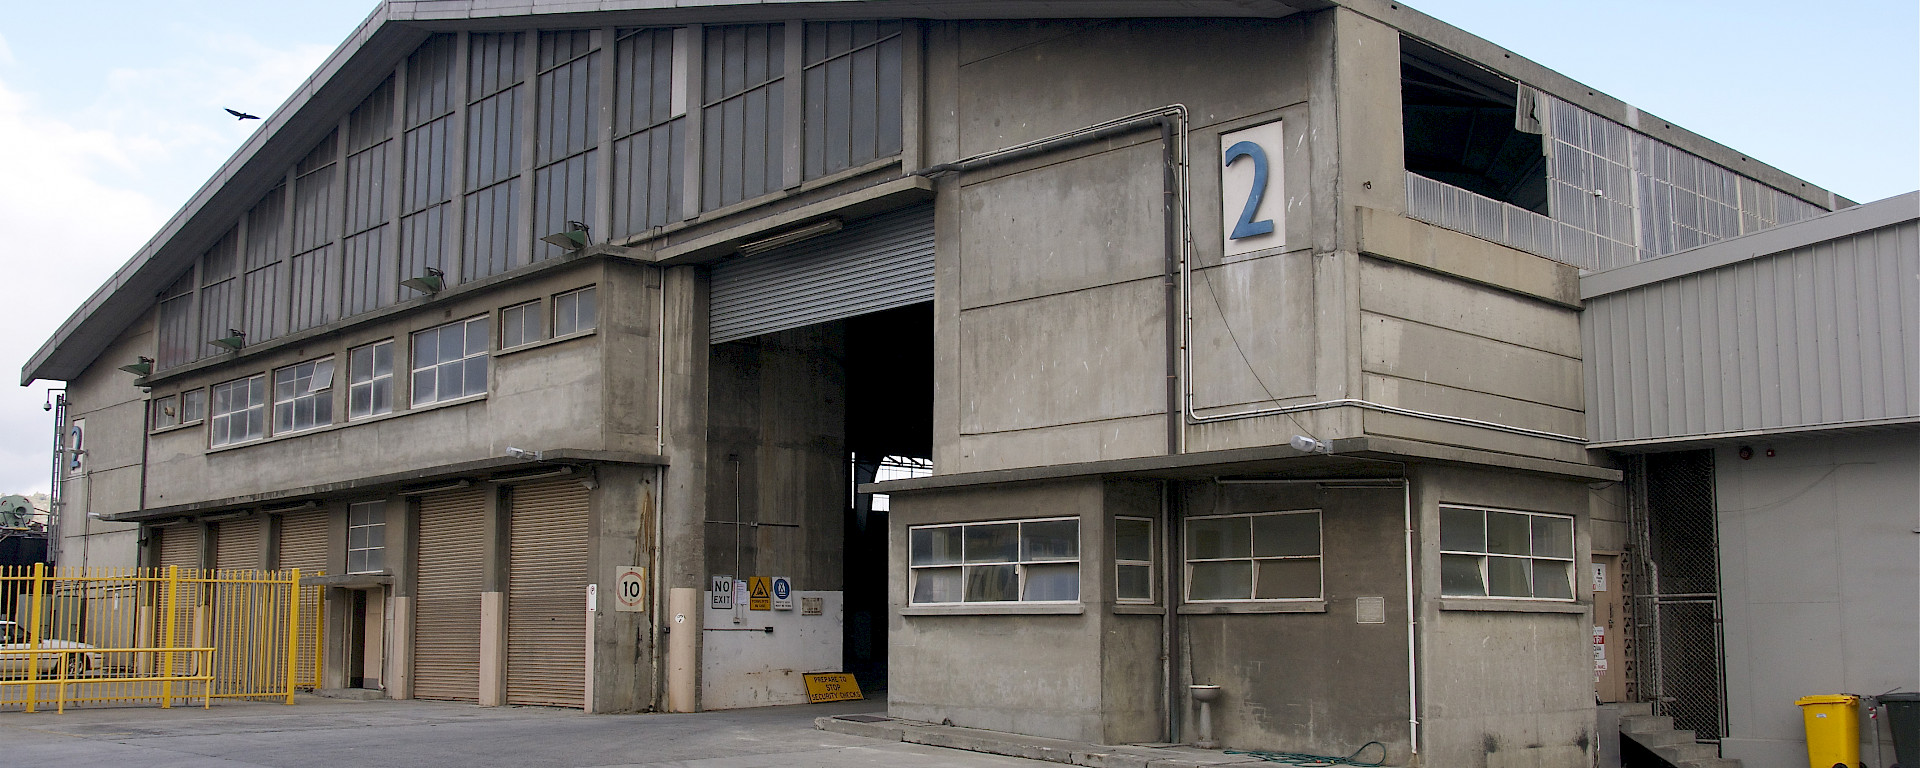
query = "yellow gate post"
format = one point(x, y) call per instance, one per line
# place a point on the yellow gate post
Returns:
point(166, 641)
point(293, 633)
point(33, 637)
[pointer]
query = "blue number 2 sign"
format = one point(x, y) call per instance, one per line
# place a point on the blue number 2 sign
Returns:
point(1246, 226)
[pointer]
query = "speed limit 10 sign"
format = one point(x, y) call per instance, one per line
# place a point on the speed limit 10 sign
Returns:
point(630, 588)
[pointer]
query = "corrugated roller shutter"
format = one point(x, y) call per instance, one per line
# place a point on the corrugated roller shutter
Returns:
point(547, 595)
point(446, 642)
point(874, 264)
point(179, 545)
point(303, 545)
point(236, 544)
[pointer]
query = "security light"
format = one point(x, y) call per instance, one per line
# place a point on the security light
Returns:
point(234, 339)
point(429, 283)
point(1305, 444)
point(575, 237)
point(790, 237)
point(523, 454)
point(142, 368)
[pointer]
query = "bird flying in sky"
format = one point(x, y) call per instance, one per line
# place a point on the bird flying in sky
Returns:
point(242, 115)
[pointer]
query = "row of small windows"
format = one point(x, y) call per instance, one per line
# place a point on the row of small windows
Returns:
point(1254, 557)
point(449, 362)
point(418, 181)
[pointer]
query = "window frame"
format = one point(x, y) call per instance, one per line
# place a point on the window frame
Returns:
point(374, 379)
point(1486, 583)
point(553, 315)
point(1151, 563)
point(215, 418)
point(320, 397)
point(532, 309)
point(378, 508)
point(1020, 562)
point(414, 368)
point(1253, 559)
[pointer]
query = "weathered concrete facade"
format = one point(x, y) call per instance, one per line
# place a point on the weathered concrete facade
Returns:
point(1179, 453)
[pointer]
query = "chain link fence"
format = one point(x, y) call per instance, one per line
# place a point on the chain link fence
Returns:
point(1676, 578)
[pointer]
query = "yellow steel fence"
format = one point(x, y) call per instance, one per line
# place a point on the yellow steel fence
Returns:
point(155, 635)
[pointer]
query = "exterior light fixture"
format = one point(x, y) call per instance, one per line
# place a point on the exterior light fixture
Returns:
point(575, 237)
point(429, 283)
point(142, 368)
point(790, 237)
point(1305, 444)
point(233, 341)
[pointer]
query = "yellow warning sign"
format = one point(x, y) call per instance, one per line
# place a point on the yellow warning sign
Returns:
point(832, 686)
point(760, 593)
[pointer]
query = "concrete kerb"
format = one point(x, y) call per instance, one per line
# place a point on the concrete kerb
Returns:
point(1031, 747)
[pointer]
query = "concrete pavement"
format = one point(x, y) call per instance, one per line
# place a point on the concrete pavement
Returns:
point(330, 733)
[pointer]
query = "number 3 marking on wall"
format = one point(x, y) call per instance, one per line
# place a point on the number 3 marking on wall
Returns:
point(1246, 226)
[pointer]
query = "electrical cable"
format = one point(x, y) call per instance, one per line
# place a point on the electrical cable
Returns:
point(1307, 760)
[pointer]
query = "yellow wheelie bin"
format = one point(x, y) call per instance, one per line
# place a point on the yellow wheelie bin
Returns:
point(1833, 730)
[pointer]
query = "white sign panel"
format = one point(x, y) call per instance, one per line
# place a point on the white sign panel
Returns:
point(782, 593)
point(1599, 577)
point(593, 598)
point(1253, 198)
point(630, 588)
point(721, 597)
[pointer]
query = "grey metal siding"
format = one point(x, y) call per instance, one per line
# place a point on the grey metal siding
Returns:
point(874, 264)
point(1822, 335)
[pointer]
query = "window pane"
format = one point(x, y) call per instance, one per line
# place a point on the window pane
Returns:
point(1218, 537)
point(377, 535)
point(359, 401)
point(1281, 579)
point(1135, 582)
point(1553, 579)
point(586, 314)
point(1463, 530)
point(1059, 581)
point(452, 343)
point(1286, 535)
point(1509, 577)
point(383, 395)
point(1460, 575)
point(376, 560)
point(991, 544)
point(563, 306)
point(1508, 533)
point(360, 365)
point(356, 537)
point(936, 585)
point(1552, 537)
point(383, 358)
point(1220, 581)
point(1050, 540)
point(476, 336)
point(476, 375)
point(193, 405)
point(934, 546)
point(356, 561)
point(992, 583)
point(426, 344)
point(423, 386)
point(1133, 539)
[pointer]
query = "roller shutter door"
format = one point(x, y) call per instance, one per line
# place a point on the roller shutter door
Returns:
point(179, 545)
point(547, 595)
point(303, 545)
point(446, 643)
point(874, 264)
point(236, 544)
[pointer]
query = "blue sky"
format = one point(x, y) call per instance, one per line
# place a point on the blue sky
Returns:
point(110, 116)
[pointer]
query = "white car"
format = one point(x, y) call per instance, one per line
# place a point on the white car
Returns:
point(13, 637)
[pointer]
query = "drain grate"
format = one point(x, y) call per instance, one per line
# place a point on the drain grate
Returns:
point(863, 718)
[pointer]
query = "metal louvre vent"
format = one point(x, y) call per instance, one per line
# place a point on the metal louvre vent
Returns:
point(547, 594)
point(236, 544)
point(452, 557)
point(874, 264)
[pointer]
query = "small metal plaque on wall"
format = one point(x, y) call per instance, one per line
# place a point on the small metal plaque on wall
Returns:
point(812, 606)
point(1370, 610)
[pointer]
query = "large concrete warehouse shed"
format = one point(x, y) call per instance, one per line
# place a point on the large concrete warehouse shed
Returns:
point(1210, 342)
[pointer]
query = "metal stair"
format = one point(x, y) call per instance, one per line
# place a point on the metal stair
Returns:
point(1678, 748)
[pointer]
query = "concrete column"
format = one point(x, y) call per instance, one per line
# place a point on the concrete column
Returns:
point(683, 651)
point(683, 492)
point(620, 646)
point(403, 536)
point(493, 600)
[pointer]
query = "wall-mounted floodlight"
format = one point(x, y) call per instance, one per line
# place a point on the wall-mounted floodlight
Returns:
point(790, 237)
point(1305, 444)
point(575, 237)
point(429, 283)
point(233, 341)
point(142, 368)
point(523, 454)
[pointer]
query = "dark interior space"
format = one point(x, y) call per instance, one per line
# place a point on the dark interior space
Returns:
point(889, 413)
point(1462, 128)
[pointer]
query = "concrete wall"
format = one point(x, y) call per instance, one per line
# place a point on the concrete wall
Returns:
point(115, 412)
point(1502, 682)
point(540, 397)
point(1818, 576)
point(1003, 668)
point(1311, 679)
